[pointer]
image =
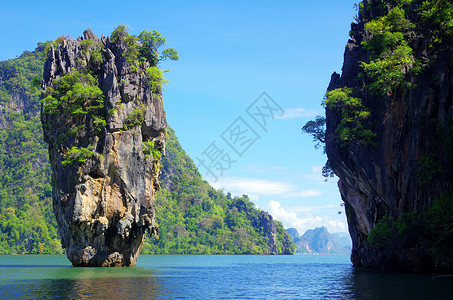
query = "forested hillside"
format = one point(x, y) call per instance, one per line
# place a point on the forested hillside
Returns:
point(27, 224)
point(195, 218)
point(192, 216)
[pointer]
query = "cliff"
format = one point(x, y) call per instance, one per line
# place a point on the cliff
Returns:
point(388, 135)
point(104, 121)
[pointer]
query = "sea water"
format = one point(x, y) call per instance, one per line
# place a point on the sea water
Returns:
point(212, 277)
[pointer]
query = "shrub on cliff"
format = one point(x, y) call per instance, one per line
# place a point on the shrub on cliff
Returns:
point(144, 47)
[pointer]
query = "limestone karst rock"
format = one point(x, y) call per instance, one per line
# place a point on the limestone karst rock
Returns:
point(390, 185)
point(104, 121)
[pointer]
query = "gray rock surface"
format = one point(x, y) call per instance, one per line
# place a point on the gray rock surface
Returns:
point(383, 180)
point(269, 229)
point(104, 204)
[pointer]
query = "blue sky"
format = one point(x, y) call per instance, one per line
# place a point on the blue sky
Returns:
point(230, 53)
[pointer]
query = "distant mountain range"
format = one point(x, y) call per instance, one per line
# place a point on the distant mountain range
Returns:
point(319, 240)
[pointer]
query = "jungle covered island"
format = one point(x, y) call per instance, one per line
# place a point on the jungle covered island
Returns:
point(388, 133)
point(103, 117)
point(195, 218)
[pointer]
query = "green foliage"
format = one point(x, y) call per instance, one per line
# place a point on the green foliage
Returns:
point(74, 93)
point(428, 167)
point(92, 53)
point(327, 171)
point(382, 232)
point(26, 232)
point(76, 101)
point(86, 45)
point(355, 116)
point(377, 8)
point(149, 149)
point(391, 56)
point(99, 124)
point(118, 106)
point(151, 41)
point(23, 76)
point(392, 28)
point(144, 48)
point(437, 18)
point(135, 117)
point(438, 221)
point(119, 34)
point(27, 224)
point(74, 131)
point(156, 79)
point(389, 69)
point(76, 155)
point(434, 228)
point(390, 229)
point(169, 53)
point(96, 57)
point(317, 129)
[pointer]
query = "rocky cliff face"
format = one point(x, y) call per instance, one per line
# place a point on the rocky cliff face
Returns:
point(389, 183)
point(267, 223)
point(104, 123)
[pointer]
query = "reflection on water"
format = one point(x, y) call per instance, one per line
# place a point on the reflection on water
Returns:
point(369, 285)
point(100, 288)
point(212, 277)
point(84, 283)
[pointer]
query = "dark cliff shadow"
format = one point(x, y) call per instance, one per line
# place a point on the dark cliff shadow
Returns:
point(370, 285)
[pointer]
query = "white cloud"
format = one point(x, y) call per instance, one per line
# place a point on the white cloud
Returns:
point(303, 223)
point(316, 176)
point(317, 169)
point(311, 209)
point(259, 169)
point(255, 187)
point(341, 226)
point(303, 194)
point(252, 186)
point(295, 113)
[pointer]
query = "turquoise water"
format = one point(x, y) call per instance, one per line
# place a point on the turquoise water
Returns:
point(212, 277)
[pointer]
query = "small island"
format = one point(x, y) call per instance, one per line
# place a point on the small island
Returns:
point(104, 121)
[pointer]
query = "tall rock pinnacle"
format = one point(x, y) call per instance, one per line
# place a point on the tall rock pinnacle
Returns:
point(389, 124)
point(104, 121)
